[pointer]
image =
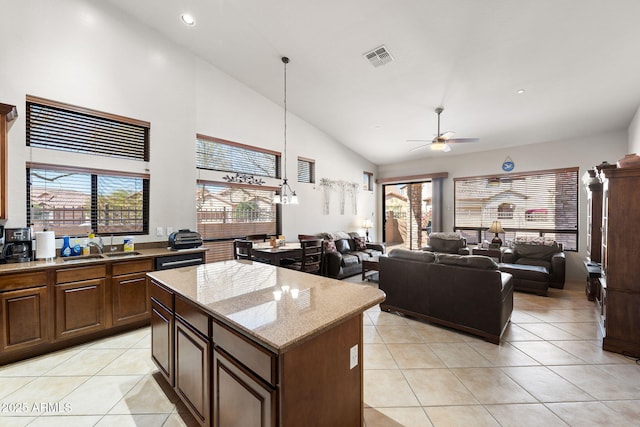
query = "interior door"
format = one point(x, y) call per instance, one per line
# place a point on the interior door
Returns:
point(407, 211)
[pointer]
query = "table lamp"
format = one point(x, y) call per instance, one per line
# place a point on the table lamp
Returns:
point(496, 228)
point(367, 224)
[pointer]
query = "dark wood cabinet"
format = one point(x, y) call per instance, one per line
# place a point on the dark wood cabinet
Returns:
point(620, 255)
point(240, 397)
point(24, 320)
point(192, 375)
point(129, 293)
point(79, 301)
point(162, 340)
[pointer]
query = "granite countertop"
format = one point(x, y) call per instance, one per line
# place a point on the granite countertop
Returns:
point(274, 306)
point(82, 260)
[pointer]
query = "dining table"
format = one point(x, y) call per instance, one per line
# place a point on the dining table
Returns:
point(275, 254)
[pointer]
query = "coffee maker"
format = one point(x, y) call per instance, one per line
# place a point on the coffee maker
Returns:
point(17, 245)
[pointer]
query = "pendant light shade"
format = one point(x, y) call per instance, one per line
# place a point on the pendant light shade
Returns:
point(287, 195)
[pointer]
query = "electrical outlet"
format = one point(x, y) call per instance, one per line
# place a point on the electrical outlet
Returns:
point(169, 230)
point(353, 357)
point(159, 231)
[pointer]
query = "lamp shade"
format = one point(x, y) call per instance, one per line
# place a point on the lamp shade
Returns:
point(496, 227)
point(366, 224)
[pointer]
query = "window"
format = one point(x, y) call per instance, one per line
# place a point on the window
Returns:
point(542, 203)
point(306, 170)
point(75, 201)
point(367, 181)
point(227, 156)
point(58, 126)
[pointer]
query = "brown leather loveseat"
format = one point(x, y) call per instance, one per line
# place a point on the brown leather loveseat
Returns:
point(468, 293)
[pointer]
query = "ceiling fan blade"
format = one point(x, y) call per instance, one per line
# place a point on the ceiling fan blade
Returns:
point(458, 140)
point(418, 148)
point(447, 148)
point(446, 135)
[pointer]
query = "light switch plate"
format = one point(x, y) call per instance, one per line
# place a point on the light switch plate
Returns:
point(169, 230)
point(353, 357)
point(159, 231)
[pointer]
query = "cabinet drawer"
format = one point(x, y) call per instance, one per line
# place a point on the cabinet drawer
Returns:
point(161, 295)
point(193, 316)
point(251, 355)
point(77, 274)
point(128, 267)
point(10, 282)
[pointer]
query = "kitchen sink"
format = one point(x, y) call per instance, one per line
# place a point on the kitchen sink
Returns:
point(81, 258)
point(120, 254)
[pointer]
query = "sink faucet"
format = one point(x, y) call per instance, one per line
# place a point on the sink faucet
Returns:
point(99, 246)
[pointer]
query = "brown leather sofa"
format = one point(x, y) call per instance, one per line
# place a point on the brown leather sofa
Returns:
point(344, 252)
point(449, 243)
point(467, 293)
point(535, 265)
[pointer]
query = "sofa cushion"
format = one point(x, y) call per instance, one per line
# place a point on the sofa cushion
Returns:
point(533, 261)
point(446, 242)
point(360, 242)
point(471, 261)
point(350, 259)
point(412, 255)
point(536, 251)
point(526, 272)
point(329, 245)
point(342, 246)
point(372, 252)
point(338, 235)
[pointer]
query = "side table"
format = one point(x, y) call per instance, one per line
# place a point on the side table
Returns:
point(370, 264)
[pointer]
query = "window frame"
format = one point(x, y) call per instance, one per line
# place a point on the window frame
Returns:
point(481, 230)
point(312, 170)
point(93, 213)
point(249, 148)
point(367, 178)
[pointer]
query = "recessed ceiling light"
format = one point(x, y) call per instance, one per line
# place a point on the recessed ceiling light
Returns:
point(188, 19)
point(520, 91)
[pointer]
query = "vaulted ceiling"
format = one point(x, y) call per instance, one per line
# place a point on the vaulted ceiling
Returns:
point(578, 62)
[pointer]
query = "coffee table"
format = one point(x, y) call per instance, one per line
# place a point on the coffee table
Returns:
point(370, 264)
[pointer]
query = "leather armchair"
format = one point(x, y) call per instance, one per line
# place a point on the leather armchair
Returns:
point(449, 243)
point(549, 256)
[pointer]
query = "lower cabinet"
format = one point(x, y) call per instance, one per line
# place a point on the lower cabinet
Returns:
point(24, 318)
point(240, 398)
point(79, 301)
point(129, 294)
point(192, 376)
point(162, 340)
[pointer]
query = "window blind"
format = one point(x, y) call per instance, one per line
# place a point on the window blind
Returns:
point(64, 127)
point(227, 156)
point(533, 203)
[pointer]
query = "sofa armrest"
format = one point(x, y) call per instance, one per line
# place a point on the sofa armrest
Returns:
point(508, 255)
point(427, 248)
point(377, 246)
point(558, 267)
point(332, 263)
point(464, 251)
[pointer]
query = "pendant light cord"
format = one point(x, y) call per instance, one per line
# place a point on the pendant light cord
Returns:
point(285, 60)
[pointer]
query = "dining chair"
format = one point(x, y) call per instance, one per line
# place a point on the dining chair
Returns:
point(311, 259)
point(257, 237)
point(242, 249)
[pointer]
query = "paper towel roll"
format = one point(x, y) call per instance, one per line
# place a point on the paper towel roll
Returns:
point(45, 244)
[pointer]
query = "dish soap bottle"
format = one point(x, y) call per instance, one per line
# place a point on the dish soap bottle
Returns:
point(66, 248)
point(76, 249)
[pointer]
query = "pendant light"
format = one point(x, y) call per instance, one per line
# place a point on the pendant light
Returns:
point(287, 195)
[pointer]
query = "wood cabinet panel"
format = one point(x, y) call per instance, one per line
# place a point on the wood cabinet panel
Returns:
point(251, 355)
point(193, 316)
point(77, 274)
point(240, 398)
point(24, 318)
point(128, 267)
point(130, 298)
point(161, 295)
point(79, 308)
point(23, 280)
point(162, 340)
point(192, 371)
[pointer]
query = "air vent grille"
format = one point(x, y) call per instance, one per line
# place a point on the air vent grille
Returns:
point(379, 56)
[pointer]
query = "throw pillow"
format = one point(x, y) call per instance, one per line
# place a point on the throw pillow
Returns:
point(361, 243)
point(329, 245)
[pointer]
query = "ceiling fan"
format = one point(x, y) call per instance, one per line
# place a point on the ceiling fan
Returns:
point(442, 140)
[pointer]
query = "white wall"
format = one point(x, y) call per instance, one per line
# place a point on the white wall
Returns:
point(634, 134)
point(88, 54)
point(583, 153)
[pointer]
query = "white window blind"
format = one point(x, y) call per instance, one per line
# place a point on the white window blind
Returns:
point(227, 156)
point(542, 203)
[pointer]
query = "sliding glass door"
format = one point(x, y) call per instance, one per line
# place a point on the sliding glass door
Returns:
point(408, 212)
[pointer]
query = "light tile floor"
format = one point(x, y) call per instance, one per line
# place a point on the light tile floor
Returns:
point(549, 370)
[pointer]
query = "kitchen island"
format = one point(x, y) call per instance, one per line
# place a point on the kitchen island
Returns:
point(250, 344)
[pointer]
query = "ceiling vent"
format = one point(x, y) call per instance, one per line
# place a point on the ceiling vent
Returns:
point(379, 56)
